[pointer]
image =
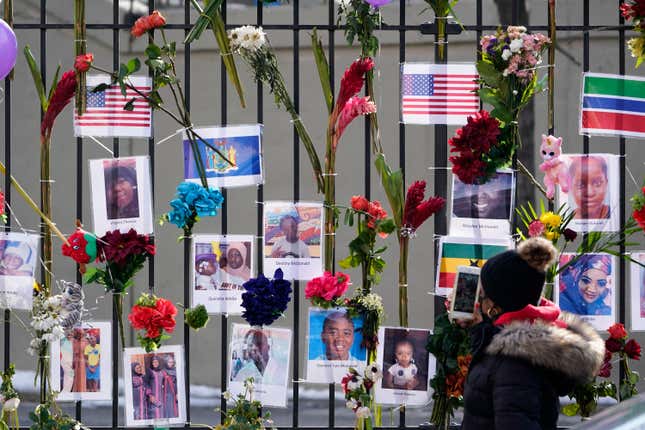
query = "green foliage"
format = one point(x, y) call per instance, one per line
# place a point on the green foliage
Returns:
point(196, 317)
point(47, 416)
point(586, 398)
point(392, 182)
point(323, 70)
point(38, 81)
point(360, 22)
point(206, 17)
point(245, 414)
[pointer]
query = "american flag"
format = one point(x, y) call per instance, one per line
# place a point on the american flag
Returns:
point(438, 93)
point(105, 116)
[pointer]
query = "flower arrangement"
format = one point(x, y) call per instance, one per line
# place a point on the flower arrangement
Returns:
point(252, 44)
point(371, 220)
point(638, 211)
point(245, 413)
point(586, 396)
point(634, 11)
point(155, 316)
point(476, 144)
point(450, 344)
point(161, 61)
point(9, 400)
point(264, 300)
point(508, 74)
point(48, 416)
point(123, 254)
point(191, 202)
point(326, 291)
point(358, 388)
point(370, 307)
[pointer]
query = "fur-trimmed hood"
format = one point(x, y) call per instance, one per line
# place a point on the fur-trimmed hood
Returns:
point(576, 351)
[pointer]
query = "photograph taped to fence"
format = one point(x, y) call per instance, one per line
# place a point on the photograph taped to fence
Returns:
point(464, 251)
point(637, 286)
point(154, 386)
point(105, 116)
point(483, 209)
point(121, 195)
point(221, 265)
point(406, 364)
point(593, 191)
point(334, 344)
point(18, 262)
point(81, 363)
point(240, 144)
point(264, 355)
point(587, 288)
point(293, 239)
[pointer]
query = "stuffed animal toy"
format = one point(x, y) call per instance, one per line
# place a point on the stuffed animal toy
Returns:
point(81, 248)
point(555, 170)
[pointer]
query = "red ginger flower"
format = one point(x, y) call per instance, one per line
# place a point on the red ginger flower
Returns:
point(635, 9)
point(359, 203)
point(617, 331)
point(354, 107)
point(416, 210)
point(2, 203)
point(633, 349)
point(376, 212)
point(62, 96)
point(352, 80)
point(146, 23)
point(83, 62)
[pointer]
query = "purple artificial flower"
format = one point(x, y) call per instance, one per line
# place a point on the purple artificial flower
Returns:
point(378, 3)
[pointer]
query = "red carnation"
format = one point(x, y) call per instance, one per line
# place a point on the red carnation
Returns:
point(117, 247)
point(639, 217)
point(633, 349)
point(2, 203)
point(145, 23)
point(352, 81)
point(154, 319)
point(617, 331)
point(359, 203)
point(416, 210)
point(613, 345)
point(83, 62)
point(62, 96)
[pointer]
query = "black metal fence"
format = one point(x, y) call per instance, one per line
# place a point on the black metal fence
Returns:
point(334, 38)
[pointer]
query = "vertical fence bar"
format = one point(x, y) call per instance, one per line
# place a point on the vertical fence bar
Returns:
point(585, 57)
point(187, 241)
point(296, 197)
point(401, 134)
point(7, 195)
point(331, 20)
point(623, 161)
point(260, 192)
point(224, 318)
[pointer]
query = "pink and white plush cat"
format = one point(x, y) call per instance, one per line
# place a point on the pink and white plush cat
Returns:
point(555, 171)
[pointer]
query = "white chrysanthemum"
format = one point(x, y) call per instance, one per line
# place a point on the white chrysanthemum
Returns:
point(54, 301)
point(11, 405)
point(516, 45)
point(248, 37)
point(363, 412)
point(373, 372)
point(77, 426)
point(506, 54)
point(227, 395)
point(351, 404)
point(355, 384)
point(58, 332)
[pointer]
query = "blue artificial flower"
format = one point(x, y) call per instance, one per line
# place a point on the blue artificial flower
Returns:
point(209, 203)
point(265, 300)
point(179, 214)
point(189, 192)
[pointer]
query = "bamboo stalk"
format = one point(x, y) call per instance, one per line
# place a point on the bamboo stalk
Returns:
point(80, 48)
point(46, 205)
point(33, 205)
point(551, 73)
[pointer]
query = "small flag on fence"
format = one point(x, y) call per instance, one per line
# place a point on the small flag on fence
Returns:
point(105, 116)
point(612, 105)
point(458, 251)
point(438, 93)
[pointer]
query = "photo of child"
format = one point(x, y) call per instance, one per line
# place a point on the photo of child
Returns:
point(18, 262)
point(403, 373)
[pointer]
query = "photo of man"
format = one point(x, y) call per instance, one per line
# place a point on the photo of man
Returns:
point(492, 199)
point(121, 198)
point(264, 355)
point(293, 231)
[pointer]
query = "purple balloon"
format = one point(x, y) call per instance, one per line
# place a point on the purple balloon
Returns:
point(8, 48)
point(378, 3)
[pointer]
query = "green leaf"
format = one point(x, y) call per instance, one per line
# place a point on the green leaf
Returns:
point(129, 106)
point(35, 74)
point(133, 65)
point(393, 186)
point(156, 64)
point(323, 70)
point(91, 275)
point(571, 410)
point(153, 51)
point(100, 88)
point(53, 86)
point(206, 17)
point(488, 73)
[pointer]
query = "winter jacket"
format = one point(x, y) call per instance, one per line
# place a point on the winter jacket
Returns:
point(520, 369)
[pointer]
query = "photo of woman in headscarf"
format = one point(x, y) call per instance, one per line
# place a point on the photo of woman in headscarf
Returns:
point(171, 409)
point(139, 398)
point(155, 379)
point(585, 285)
point(121, 198)
point(235, 271)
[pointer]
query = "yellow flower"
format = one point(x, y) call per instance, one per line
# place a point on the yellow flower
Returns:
point(636, 46)
point(552, 235)
point(550, 219)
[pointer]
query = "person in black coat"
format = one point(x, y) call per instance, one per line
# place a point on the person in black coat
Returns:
point(524, 356)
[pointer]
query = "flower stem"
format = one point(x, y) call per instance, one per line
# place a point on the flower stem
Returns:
point(118, 304)
point(329, 186)
point(404, 242)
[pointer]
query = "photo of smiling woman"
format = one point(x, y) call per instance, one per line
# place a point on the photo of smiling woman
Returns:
point(586, 287)
point(121, 200)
